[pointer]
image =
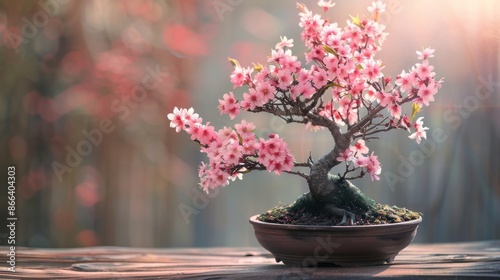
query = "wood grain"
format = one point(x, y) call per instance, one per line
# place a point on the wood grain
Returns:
point(471, 260)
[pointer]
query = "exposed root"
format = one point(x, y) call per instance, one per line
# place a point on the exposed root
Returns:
point(335, 211)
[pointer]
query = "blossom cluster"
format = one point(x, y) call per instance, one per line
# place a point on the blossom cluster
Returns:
point(341, 81)
point(231, 152)
point(343, 60)
point(358, 155)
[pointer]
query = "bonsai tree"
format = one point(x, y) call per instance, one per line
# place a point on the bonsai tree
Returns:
point(340, 88)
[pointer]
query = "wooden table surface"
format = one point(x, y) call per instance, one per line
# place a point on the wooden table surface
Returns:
point(444, 260)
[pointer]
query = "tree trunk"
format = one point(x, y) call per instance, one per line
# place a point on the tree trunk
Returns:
point(332, 193)
point(337, 195)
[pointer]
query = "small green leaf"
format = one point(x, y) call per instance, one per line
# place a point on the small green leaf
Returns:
point(258, 67)
point(415, 108)
point(244, 171)
point(302, 8)
point(333, 84)
point(329, 50)
point(234, 62)
point(240, 139)
point(356, 21)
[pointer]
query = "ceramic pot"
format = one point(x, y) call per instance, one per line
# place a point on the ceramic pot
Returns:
point(302, 245)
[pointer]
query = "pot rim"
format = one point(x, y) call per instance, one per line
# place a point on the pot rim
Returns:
point(253, 220)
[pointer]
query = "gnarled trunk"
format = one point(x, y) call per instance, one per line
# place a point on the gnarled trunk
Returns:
point(333, 193)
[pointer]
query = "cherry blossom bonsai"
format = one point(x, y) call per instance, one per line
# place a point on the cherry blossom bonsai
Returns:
point(340, 88)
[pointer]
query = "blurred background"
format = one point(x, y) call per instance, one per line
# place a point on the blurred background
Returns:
point(85, 87)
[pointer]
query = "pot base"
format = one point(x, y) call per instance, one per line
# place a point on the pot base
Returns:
point(300, 245)
point(309, 261)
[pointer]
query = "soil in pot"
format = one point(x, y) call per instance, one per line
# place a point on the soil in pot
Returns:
point(382, 214)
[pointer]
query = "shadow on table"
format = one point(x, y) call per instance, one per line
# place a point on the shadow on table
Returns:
point(280, 271)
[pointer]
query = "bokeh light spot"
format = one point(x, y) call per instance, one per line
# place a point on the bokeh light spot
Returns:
point(49, 63)
point(87, 238)
point(182, 41)
point(262, 24)
point(36, 180)
point(87, 193)
point(30, 102)
point(46, 109)
point(63, 219)
point(12, 37)
point(53, 29)
point(18, 147)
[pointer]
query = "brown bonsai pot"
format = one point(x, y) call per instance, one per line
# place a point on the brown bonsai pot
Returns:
point(302, 245)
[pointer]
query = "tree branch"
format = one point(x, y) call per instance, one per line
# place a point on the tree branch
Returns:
point(301, 174)
point(302, 164)
point(364, 121)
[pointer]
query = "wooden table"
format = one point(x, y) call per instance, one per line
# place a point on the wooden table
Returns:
point(446, 260)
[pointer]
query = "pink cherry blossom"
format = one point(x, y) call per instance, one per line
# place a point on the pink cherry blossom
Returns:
point(312, 25)
point(274, 154)
point(305, 90)
point(190, 117)
point(405, 81)
point(384, 98)
point(346, 155)
point(370, 95)
point(426, 53)
point(426, 94)
point(202, 169)
point(227, 134)
point(291, 63)
point(240, 76)
point(372, 165)
point(245, 131)
point(320, 79)
point(233, 153)
point(331, 34)
point(338, 118)
point(332, 66)
point(277, 55)
point(352, 116)
point(360, 161)
point(359, 147)
point(229, 105)
point(238, 175)
point(371, 69)
point(419, 131)
point(284, 78)
point(217, 177)
point(251, 99)
point(285, 59)
point(182, 119)
point(317, 53)
point(326, 4)
point(285, 43)
point(205, 133)
point(214, 150)
point(176, 120)
point(387, 99)
point(405, 122)
point(266, 91)
point(395, 110)
point(303, 76)
point(424, 70)
point(344, 51)
point(377, 7)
